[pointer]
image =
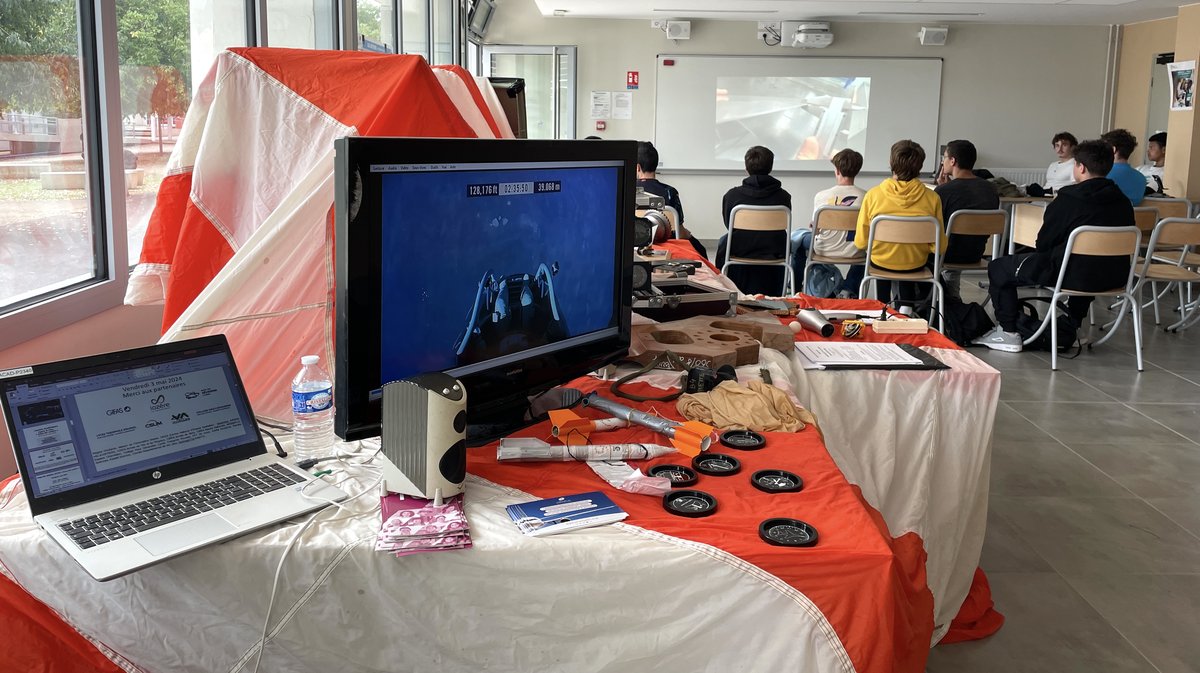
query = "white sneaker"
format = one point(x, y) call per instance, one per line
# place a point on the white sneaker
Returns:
point(999, 340)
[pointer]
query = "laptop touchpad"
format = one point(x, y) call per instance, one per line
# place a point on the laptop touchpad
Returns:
point(203, 528)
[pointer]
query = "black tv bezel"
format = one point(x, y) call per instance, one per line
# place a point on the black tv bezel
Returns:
point(491, 393)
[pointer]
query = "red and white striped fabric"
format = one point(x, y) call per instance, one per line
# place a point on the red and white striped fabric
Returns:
point(240, 240)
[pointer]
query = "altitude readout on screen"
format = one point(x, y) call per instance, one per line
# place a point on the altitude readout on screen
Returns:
point(513, 188)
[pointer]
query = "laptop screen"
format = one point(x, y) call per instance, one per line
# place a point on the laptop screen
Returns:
point(107, 418)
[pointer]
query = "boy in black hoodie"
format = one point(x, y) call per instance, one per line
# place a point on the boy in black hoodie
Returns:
point(1093, 200)
point(758, 189)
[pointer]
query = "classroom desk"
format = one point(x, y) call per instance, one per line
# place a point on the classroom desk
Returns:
point(657, 592)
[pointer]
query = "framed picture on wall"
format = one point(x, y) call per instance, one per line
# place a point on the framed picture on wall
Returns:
point(1183, 82)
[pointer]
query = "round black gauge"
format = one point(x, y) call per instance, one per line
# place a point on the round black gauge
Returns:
point(680, 475)
point(745, 440)
point(787, 533)
point(776, 481)
point(716, 464)
point(694, 504)
point(641, 276)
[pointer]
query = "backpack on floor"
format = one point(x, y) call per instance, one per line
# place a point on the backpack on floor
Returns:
point(963, 322)
point(823, 280)
point(1028, 321)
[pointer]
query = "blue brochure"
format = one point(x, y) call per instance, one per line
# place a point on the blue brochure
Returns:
point(564, 513)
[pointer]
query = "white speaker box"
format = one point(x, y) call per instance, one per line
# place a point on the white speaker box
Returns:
point(933, 36)
point(425, 436)
point(679, 30)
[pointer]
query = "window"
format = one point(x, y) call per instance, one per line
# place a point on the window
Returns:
point(47, 232)
point(92, 100)
point(415, 26)
point(444, 21)
point(154, 50)
point(304, 24)
point(377, 26)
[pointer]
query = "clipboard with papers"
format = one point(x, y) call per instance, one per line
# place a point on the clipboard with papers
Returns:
point(866, 355)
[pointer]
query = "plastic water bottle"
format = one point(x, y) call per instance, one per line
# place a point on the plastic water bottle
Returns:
point(312, 410)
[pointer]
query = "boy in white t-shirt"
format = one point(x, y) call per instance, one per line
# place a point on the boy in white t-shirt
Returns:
point(1062, 172)
point(846, 165)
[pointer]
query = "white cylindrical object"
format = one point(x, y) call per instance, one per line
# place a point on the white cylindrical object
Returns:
point(528, 449)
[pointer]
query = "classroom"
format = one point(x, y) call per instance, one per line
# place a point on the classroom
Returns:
point(204, 204)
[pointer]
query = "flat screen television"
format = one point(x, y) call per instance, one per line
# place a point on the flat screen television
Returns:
point(504, 263)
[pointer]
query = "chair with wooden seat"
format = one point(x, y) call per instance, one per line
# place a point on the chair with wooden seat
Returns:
point(1169, 207)
point(1099, 242)
point(1145, 218)
point(910, 230)
point(833, 218)
point(1181, 236)
point(763, 219)
point(991, 223)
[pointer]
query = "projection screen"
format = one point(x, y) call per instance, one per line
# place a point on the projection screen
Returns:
point(710, 109)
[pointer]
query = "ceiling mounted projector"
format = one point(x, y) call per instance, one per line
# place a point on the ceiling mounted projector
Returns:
point(806, 34)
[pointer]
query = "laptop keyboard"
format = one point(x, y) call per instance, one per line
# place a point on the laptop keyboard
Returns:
point(97, 529)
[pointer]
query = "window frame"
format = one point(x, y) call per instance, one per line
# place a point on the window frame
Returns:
point(101, 110)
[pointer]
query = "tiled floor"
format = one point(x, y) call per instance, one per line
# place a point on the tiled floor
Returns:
point(1093, 544)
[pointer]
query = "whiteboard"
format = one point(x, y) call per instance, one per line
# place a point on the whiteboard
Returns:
point(708, 110)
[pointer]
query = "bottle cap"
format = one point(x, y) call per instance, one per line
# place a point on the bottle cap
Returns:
point(309, 359)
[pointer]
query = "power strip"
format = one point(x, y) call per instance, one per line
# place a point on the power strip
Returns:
point(900, 326)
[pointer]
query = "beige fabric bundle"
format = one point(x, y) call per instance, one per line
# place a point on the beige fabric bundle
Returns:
point(757, 406)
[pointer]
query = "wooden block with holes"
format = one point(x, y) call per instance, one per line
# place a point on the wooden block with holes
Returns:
point(709, 341)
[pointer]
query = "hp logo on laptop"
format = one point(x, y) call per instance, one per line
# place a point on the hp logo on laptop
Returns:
point(156, 474)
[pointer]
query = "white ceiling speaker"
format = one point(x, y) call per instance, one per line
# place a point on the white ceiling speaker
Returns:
point(679, 30)
point(933, 36)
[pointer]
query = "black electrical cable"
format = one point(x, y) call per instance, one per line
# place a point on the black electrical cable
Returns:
point(278, 447)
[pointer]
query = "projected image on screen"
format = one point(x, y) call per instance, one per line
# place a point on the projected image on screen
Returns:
point(798, 118)
point(479, 265)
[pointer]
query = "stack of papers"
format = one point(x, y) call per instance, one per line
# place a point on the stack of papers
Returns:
point(414, 525)
point(819, 355)
point(568, 512)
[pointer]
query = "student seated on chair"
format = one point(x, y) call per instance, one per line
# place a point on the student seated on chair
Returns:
point(647, 164)
point(1060, 173)
point(1127, 177)
point(960, 189)
point(1156, 159)
point(846, 165)
point(757, 189)
point(1094, 200)
point(904, 195)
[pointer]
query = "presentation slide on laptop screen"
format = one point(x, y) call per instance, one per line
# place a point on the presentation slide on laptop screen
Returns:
point(478, 265)
point(800, 118)
point(78, 430)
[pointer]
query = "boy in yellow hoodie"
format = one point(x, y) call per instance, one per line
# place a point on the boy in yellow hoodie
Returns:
point(902, 194)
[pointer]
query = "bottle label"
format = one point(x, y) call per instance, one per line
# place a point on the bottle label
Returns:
point(317, 400)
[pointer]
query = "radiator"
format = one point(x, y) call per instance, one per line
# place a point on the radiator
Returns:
point(1020, 176)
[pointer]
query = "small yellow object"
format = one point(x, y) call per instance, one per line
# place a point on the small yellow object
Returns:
point(852, 329)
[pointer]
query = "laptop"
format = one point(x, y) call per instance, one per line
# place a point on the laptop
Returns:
point(135, 457)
